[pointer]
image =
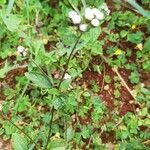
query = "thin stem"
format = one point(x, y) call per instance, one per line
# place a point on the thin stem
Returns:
point(19, 129)
point(73, 7)
point(61, 80)
point(66, 66)
point(84, 3)
point(124, 83)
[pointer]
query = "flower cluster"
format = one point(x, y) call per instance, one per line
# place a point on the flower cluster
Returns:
point(21, 50)
point(91, 16)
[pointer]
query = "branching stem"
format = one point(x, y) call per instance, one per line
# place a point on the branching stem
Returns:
point(61, 80)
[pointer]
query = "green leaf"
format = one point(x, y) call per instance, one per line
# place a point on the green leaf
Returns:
point(146, 65)
point(57, 144)
point(135, 37)
point(96, 49)
point(38, 79)
point(139, 8)
point(65, 85)
point(11, 21)
point(18, 142)
point(134, 77)
point(4, 70)
point(91, 36)
point(69, 133)
point(147, 45)
point(123, 33)
point(10, 6)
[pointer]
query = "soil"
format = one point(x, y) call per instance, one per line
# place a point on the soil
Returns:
point(5, 145)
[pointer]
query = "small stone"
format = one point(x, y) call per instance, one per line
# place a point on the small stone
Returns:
point(106, 87)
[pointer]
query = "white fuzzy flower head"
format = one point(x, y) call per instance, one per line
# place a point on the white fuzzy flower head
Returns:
point(76, 19)
point(83, 27)
point(89, 14)
point(67, 76)
point(95, 22)
point(99, 15)
point(72, 14)
point(20, 49)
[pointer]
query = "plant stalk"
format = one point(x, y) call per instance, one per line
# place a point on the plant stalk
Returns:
point(58, 87)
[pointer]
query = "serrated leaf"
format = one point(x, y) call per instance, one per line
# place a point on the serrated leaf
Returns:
point(38, 79)
point(19, 142)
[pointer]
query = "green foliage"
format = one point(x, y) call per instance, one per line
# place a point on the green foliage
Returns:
point(135, 37)
point(134, 77)
point(19, 142)
point(87, 106)
point(39, 79)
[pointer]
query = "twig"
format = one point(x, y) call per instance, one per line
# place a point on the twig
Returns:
point(61, 80)
point(121, 78)
point(119, 122)
point(124, 83)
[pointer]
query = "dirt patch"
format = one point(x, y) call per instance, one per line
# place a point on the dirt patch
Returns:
point(5, 145)
point(9, 80)
point(107, 95)
point(108, 137)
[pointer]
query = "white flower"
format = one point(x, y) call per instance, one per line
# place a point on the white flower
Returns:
point(89, 14)
point(99, 15)
point(83, 27)
point(76, 19)
point(67, 76)
point(72, 14)
point(95, 22)
point(20, 49)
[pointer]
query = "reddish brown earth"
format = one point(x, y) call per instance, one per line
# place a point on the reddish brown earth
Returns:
point(5, 145)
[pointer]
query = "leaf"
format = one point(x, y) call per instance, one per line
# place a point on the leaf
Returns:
point(10, 6)
point(18, 142)
point(139, 8)
point(135, 37)
point(57, 144)
point(38, 79)
point(91, 36)
point(69, 133)
point(134, 77)
point(4, 70)
point(11, 21)
point(65, 85)
point(96, 48)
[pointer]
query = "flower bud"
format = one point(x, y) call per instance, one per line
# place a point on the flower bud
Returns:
point(83, 27)
point(95, 22)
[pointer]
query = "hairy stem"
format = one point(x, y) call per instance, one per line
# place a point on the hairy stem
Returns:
point(58, 87)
